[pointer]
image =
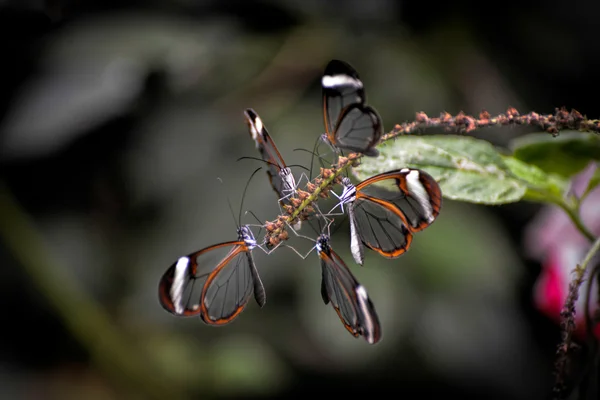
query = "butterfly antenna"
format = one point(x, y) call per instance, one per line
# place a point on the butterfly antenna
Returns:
point(257, 220)
point(244, 195)
point(299, 166)
point(312, 159)
point(230, 206)
point(313, 153)
point(255, 217)
point(257, 159)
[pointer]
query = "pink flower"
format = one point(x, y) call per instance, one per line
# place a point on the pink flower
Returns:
point(553, 239)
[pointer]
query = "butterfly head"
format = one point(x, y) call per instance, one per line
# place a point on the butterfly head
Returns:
point(349, 193)
point(323, 243)
point(288, 179)
point(246, 235)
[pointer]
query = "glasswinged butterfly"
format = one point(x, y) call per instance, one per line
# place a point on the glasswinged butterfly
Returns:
point(339, 287)
point(225, 288)
point(349, 123)
point(213, 286)
point(386, 209)
point(280, 175)
point(348, 297)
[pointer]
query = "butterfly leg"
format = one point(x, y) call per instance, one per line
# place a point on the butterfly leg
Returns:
point(302, 176)
point(325, 139)
point(290, 192)
point(291, 228)
point(327, 226)
point(266, 251)
point(340, 205)
point(260, 225)
point(302, 256)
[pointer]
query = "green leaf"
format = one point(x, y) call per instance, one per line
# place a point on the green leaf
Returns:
point(467, 169)
point(565, 155)
point(540, 185)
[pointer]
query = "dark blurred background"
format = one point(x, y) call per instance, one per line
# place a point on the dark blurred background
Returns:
point(117, 118)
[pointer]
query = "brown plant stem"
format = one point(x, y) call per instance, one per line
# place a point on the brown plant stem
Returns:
point(568, 321)
point(562, 119)
point(552, 123)
point(327, 178)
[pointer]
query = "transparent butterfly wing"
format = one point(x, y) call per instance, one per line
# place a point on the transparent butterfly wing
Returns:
point(280, 176)
point(217, 291)
point(378, 227)
point(348, 298)
point(229, 287)
point(341, 87)
point(349, 123)
point(414, 193)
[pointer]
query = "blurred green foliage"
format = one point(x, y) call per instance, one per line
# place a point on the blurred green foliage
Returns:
point(180, 80)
